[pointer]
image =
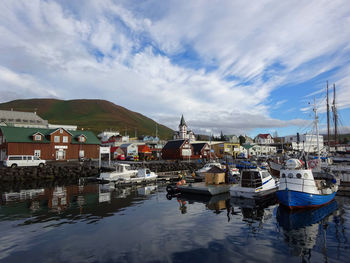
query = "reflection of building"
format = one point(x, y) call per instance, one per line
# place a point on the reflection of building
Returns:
point(59, 200)
point(183, 133)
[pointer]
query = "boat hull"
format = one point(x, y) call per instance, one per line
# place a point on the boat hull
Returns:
point(295, 199)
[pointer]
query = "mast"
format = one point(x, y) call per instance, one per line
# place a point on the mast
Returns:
point(335, 116)
point(329, 141)
point(317, 134)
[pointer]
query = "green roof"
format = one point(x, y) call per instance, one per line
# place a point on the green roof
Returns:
point(19, 134)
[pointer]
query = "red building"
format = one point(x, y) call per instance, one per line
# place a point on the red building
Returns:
point(48, 144)
point(177, 149)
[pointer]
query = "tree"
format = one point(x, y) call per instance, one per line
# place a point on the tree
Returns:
point(222, 137)
point(241, 139)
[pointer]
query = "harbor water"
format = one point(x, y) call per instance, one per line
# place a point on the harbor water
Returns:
point(101, 223)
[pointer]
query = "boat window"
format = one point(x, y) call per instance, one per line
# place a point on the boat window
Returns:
point(283, 175)
point(148, 171)
point(290, 175)
point(265, 174)
point(298, 175)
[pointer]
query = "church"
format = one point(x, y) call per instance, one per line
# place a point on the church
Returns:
point(183, 132)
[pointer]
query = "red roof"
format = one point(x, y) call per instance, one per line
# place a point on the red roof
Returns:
point(113, 149)
point(264, 135)
point(143, 148)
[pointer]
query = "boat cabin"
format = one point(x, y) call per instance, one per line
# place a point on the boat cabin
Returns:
point(253, 178)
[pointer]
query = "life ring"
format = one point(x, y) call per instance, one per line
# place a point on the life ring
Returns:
point(313, 164)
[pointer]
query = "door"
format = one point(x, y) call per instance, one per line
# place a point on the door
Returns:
point(60, 154)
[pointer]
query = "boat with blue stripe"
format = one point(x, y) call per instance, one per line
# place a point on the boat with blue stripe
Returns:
point(255, 183)
point(299, 189)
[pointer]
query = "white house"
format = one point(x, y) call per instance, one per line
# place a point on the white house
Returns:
point(129, 149)
point(307, 142)
point(264, 139)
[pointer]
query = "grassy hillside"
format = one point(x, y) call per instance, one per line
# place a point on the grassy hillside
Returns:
point(96, 115)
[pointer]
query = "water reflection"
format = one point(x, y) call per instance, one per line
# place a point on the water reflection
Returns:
point(301, 228)
point(217, 203)
point(74, 202)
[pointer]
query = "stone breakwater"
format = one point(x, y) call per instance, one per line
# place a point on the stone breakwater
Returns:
point(49, 172)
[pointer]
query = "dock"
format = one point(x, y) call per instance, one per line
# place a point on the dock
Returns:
point(204, 189)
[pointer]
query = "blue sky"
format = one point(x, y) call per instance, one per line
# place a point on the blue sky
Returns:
point(226, 65)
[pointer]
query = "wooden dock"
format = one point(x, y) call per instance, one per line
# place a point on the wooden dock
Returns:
point(204, 189)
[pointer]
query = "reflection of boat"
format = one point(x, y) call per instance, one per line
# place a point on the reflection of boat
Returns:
point(299, 189)
point(301, 227)
point(254, 209)
point(216, 203)
point(147, 190)
point(255, 183)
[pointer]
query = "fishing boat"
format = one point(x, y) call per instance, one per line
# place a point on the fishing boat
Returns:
point(124, 174)
point(201, 172)
point(122, 171)
point(255, 183)
point(299, 189)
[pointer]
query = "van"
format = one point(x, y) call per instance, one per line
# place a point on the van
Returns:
point(23, 160)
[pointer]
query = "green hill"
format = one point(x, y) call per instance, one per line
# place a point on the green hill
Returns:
point(96, 115)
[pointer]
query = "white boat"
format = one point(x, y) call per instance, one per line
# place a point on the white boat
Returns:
point(122, 172)
point(299, 189)
point(255, 183)
point(201, 172)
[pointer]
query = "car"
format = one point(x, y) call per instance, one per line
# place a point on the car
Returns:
point(120, 157)
point(130, 158)
point(23, 160)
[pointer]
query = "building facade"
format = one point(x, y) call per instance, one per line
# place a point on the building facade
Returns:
point(306, 142)
point(264, 139)
point(48, 144)
point(177, 149)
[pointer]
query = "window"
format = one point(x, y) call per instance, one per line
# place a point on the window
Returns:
point(65, 139)
point(81, 153)
point(61, 131)
point(57, 139)
point(15, 158)
point(37, 137)
point(37, 153)
point(82, 139)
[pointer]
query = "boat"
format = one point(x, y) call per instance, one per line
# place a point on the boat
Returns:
point(201, 188)
point(201, 172)
point(299, 189)
point(255, 183)
point(124, 174)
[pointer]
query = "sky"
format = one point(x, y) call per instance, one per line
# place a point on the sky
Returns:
point(233, 66)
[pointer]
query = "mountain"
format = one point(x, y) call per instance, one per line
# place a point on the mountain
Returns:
point(96, 115)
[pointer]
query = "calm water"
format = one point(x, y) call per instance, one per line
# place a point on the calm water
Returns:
point(91, 223)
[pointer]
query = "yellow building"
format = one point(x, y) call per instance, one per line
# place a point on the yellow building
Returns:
point(225, 148)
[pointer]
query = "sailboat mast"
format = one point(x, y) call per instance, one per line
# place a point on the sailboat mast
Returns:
point(328, 138)
point(317, 133)
point(335, 114)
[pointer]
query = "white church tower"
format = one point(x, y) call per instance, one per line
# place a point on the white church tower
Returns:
point(183, 132)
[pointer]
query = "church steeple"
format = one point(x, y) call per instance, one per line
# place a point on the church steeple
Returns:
point(182, 122)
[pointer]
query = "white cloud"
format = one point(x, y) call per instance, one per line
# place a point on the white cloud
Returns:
point(123, 52)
